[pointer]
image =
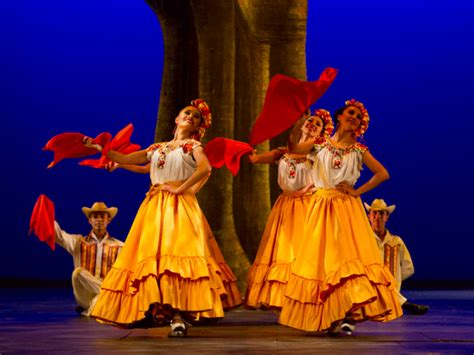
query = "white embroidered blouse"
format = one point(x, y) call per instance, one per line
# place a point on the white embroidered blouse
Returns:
point(333, 165)
point(171, 163)
point(293, 173)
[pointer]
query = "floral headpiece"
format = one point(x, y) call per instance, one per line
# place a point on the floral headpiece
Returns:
point(327, 121)
point(205, 111)
point(364, 122)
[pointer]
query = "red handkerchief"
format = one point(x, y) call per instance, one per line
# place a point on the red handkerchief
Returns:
point(285, 102)
point(42, 220)
point(120, 143)
point(222, 151)
point(71, 145)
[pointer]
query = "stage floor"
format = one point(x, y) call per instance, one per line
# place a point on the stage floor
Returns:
point(43, 320)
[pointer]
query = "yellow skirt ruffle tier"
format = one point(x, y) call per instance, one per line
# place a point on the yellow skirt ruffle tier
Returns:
point(269, 274)
point(170, 258)
point(338, 270)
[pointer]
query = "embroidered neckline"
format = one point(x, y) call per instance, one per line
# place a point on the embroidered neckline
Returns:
point(343, 151)
point(282, 153)
point(189, 143)
point(291, 164)
point(339, 153)
point(296, 160)
point(164, 149)
point(355, 147)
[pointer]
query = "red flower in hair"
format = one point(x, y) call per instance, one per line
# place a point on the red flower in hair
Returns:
point(205, 111)
point(327, 121)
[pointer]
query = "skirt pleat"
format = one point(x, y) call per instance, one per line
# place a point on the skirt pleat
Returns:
point(269, 274)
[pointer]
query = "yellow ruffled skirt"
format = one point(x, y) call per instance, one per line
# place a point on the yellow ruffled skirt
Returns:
point(269, 274)
point(170, 258)
point(338, 270)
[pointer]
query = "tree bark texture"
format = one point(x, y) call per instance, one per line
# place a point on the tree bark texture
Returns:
point(226, 51)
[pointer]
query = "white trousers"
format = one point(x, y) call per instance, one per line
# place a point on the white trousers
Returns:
point(86, 287)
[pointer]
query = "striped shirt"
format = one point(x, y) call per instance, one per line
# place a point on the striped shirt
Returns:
point(396, 257)
point(90, 253)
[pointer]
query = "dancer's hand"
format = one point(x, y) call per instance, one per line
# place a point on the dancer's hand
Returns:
point(253, 157)
point(347, 188)
point(111, 166)
point(171, 189)
point(88, 143)
point(303, 191)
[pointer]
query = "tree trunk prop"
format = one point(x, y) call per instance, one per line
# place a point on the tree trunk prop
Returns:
point(226, 51)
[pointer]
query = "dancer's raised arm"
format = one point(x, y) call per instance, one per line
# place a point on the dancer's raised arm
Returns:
point(138, 157)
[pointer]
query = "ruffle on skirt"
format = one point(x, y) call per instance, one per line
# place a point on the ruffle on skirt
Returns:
point(365, 292)
point(232, 298)
point(271, 269)
point(165, 260)
point(267, 285)
point(125, 297)
point(338, 269)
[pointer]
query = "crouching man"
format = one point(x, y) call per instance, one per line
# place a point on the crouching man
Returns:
point(93, 255)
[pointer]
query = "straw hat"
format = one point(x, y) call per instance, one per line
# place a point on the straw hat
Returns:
point(100, 207)
point(379, 205)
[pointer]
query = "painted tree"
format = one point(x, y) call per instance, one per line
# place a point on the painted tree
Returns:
point(226, 51)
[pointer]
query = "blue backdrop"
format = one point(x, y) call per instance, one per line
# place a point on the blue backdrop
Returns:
point(93, 66)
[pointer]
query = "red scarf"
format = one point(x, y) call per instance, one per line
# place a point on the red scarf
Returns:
point(42, 220)
point(120, 143)
point(71, 145)
point(286, 100)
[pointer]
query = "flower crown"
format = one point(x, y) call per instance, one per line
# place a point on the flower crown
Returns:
point(327, 121)
point(364, 122)
point(205, 111)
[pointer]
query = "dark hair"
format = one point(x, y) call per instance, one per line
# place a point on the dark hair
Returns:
point(295, 133)
point(337, 113)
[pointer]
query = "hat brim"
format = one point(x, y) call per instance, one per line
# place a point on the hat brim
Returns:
point(389, 209)
point(112, 211)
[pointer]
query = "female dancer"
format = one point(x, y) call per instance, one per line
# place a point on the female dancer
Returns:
point(338, 278)
point(166, 270)
point(270, 271)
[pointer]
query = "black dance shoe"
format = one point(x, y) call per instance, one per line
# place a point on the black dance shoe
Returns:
point(79, 309)
point(413, 308)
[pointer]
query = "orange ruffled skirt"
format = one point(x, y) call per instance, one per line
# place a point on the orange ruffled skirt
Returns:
point(271, 269)
point(338, 270)
point(170, 258)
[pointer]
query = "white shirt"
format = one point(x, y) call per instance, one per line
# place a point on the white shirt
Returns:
point(169, 164)
point(293, 173)
point(333, 165)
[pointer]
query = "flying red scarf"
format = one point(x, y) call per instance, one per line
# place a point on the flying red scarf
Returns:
point(120, 143)
point(42, 220)
point(71, 145)
point(285, 102)
point(222, 151)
